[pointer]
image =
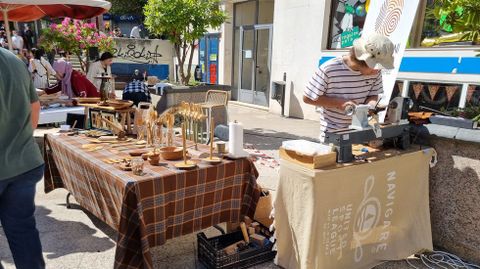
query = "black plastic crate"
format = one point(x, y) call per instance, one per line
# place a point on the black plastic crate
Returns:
point(211, 254)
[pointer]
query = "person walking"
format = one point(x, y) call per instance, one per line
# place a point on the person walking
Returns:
point(41, 69)
point(28, 36)
point(3, 39)
point(21, 162)
point(17, 42)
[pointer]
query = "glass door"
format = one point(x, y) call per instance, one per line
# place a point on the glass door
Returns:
point(254, 64)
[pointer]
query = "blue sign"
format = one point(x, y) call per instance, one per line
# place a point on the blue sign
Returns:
point(107, 16)
point(126, 18)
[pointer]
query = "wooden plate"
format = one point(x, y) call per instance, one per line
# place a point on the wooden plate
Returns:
point(119, 104)
point(87, 100)
point(213, 160)
point(137, 153)
point(186, 166)
point(124, 167)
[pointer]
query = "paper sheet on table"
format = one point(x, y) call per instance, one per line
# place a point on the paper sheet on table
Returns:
point(307, 148)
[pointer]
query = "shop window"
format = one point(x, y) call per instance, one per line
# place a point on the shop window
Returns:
point(442, 97)
point(346, 23)
point(265, 11)
point(245, 13)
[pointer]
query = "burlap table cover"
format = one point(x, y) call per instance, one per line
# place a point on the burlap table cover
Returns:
point(147, 210)
point(355, 216)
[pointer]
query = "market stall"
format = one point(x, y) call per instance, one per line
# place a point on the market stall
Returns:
point(163, 203)
point(354, 215)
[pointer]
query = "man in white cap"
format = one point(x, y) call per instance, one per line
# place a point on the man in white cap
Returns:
point(349, 80)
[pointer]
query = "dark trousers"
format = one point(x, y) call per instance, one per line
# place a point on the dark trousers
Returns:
point(135, 97)
point(17, 207)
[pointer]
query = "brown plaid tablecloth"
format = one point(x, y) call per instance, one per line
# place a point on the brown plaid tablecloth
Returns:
point(147, 210)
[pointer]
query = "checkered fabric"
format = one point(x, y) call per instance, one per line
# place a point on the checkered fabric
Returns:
point(163, 204)
point(137, 86)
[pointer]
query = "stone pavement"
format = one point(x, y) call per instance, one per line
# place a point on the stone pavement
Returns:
point(73, 238)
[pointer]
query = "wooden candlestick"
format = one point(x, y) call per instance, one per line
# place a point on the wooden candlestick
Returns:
point(184, 139)
point(185, 164)
point(211, 159)
point(212, 129)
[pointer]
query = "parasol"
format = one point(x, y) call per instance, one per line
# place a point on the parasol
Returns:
point(24, 10)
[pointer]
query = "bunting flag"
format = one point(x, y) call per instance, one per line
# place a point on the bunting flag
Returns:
point(451, 90)
point(400, 87)
point(433, 90)
point(417, 89)
point(470, 91)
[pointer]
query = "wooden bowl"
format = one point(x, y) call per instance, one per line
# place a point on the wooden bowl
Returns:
point(154, 159)
point(171, 153)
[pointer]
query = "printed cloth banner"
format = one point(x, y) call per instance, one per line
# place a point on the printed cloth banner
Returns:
point(394, 19)
point(355, 216)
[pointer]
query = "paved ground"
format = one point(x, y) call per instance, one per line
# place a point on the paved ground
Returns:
point(72, 238)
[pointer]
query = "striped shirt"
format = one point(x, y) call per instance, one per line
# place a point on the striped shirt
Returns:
point(335, 79)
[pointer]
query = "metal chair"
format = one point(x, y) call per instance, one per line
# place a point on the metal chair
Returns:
point(214, 99)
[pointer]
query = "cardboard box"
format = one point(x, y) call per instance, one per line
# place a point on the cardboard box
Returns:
point(312, 162)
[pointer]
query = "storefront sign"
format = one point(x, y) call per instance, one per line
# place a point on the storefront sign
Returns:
point(394, 19)
point(151, 51)
point(348, 37)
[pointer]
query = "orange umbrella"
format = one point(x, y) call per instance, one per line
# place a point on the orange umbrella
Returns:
point(25, 10)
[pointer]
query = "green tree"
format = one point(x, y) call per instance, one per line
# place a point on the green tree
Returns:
point(121, 7)
point(183, 22)
point(459, 16)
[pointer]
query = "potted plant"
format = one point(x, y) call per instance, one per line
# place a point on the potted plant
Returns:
point(183, 23)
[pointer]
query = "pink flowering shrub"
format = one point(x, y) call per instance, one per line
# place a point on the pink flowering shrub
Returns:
point(75, 36)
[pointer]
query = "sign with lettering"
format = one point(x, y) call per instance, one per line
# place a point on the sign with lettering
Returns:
point(148, 51)
point(347, 37)
point(394, 19)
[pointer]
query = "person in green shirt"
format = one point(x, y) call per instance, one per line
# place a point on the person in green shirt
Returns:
point(21, 163)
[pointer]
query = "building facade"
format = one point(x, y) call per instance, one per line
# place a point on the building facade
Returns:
point(266, 41)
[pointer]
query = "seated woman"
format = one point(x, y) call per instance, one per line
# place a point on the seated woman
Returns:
point(71, 82)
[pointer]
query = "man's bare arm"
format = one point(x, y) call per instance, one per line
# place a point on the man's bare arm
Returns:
point(329, 102)
point(35, 114)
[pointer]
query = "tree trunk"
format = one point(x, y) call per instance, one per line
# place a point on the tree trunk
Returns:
point(180, 62)
point(184, 57)
point(190, 60)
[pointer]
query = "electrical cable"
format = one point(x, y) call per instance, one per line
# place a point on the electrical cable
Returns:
point(442, 260)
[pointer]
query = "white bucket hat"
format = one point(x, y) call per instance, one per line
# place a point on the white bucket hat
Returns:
point(376, 50)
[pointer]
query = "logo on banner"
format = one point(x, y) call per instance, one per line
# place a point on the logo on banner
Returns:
point(389, 17)
point(366, 218)
point(369, 214)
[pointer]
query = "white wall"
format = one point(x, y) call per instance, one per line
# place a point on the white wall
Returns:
point(297, 41)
